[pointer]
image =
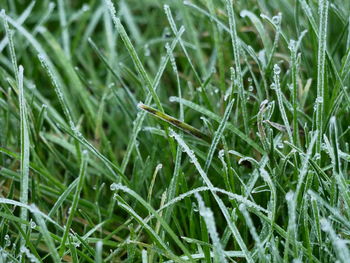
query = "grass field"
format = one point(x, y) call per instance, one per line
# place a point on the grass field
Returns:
point(170, 131)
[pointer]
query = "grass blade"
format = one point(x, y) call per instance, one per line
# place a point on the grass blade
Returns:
point(217, 136)
point(74, 206)
point(208, 216)
point(133, 54)
point(25, 151)
point(46, 234)
point(236, 55)
point(175, 122)
point(321, 61)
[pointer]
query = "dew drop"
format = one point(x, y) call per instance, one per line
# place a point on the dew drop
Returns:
point(147, 51)
point(276, 19)
point(7, 240)
point(319, 100)
point(292, 45)
point(114, 187)
point(276, 69)
point(317, 156)
point(51, 5)
point(195, 208)
point(85, 8)
point(166, 32)
point(289, 196)
point(32, 86)
point(32, 224)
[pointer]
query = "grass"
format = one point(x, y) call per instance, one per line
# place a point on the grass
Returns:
point(170, 131)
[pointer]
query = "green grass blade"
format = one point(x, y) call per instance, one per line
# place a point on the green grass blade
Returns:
point(208, 216)
point(74, 206)
point(98, 256)
point(175, 122)
point(321, 59)
point(217, 136)
point(46, 234)
point(141, 70)
point(236, 54)
point(25, 151)
point(260, 28)
point(11, 45)
point(64, 27)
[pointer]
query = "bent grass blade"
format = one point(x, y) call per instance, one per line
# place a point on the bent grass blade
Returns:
point(175, 122)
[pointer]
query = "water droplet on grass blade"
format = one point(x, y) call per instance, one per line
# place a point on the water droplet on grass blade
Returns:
point(32, 224)
point(114, 187)
point(317, 156)
point(277, 19)
point(166, 32)
point(276, 69)
point(319, 100)
point(292, 45)
point(85, 8)
point(7, 241)
point(147, 51)
point(290, 196)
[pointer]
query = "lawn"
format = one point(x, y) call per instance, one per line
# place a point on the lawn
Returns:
point(174, 131)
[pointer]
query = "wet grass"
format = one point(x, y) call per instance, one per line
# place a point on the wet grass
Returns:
point(170, 131)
